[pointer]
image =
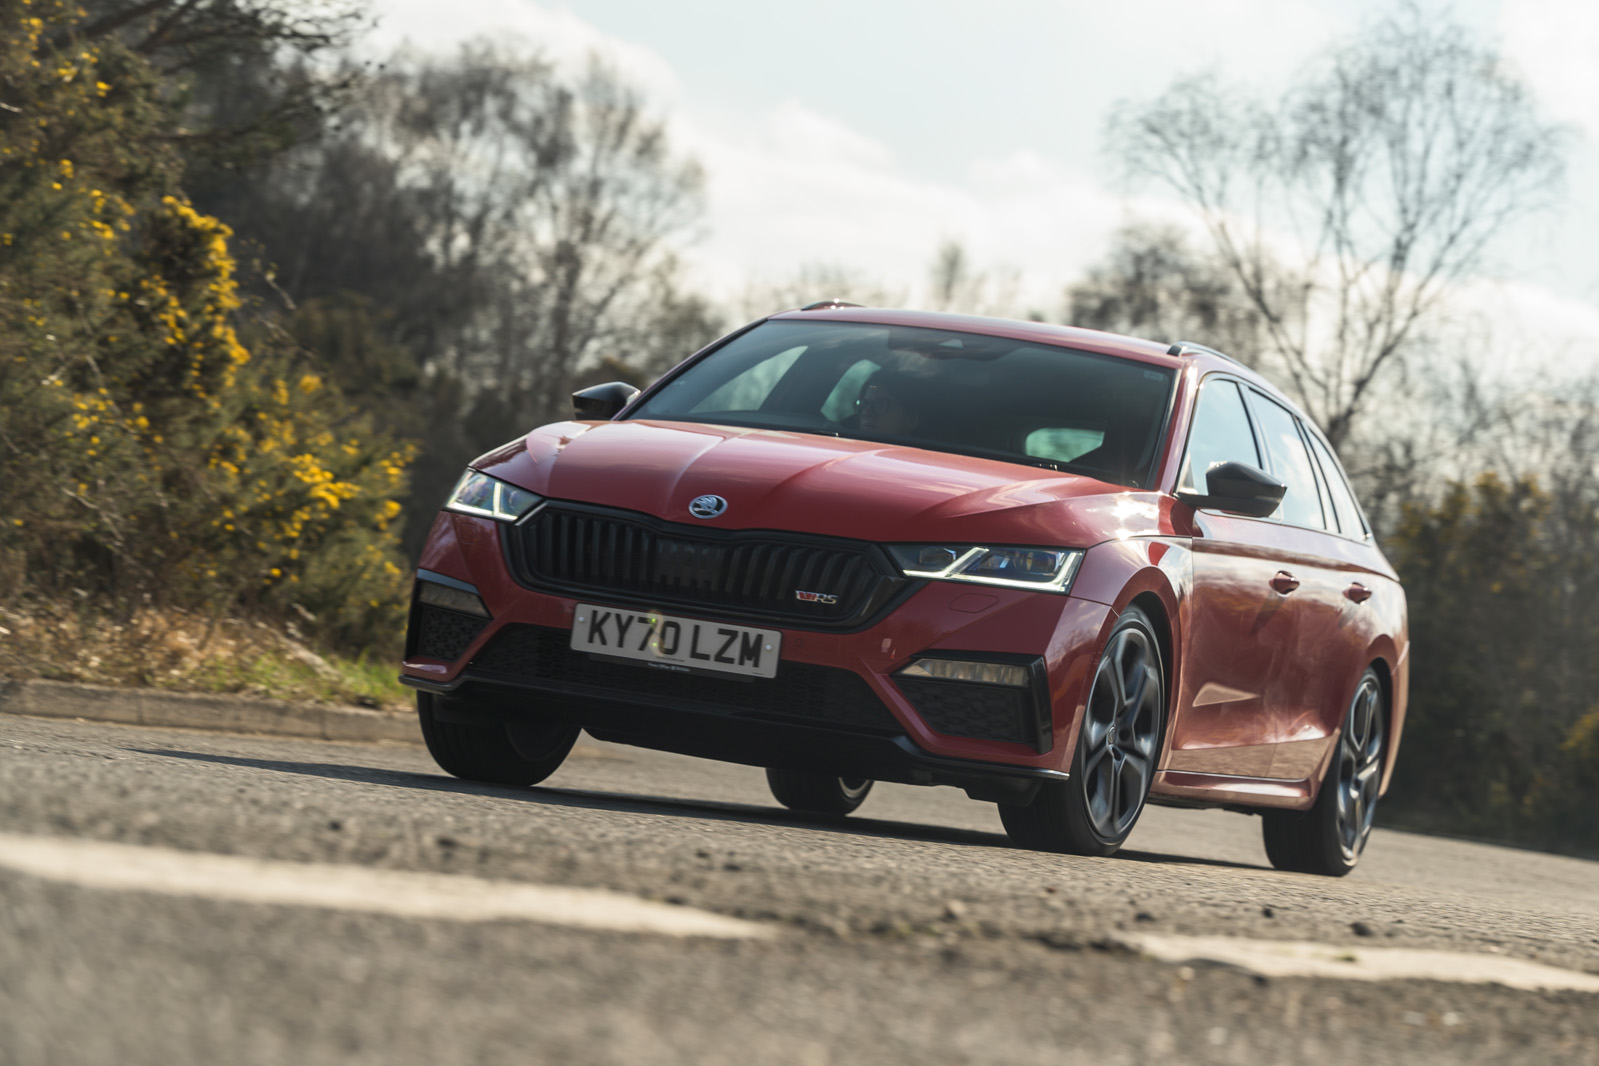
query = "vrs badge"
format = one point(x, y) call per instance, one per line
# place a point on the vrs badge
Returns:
point(815, 597)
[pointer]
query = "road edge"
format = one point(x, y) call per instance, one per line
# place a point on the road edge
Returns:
point(195, 710)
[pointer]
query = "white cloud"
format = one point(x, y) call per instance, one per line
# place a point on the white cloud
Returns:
point(1531, 331)
point(429, 26)
point(1257, 42)
point(804, 189)
point(1554, 45)
point(789, 186)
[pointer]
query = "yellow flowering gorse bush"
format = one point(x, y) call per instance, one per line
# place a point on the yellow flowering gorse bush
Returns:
point(158, 443)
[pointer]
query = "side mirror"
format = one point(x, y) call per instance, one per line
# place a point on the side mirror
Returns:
point(603, 402)
point(1239, 489)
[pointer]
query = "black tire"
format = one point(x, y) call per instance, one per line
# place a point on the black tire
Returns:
point(813, 793)
point(500, 753)
point(1329, 838)
point(1094, 810)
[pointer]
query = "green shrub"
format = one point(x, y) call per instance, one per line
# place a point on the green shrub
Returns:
point(149, 455)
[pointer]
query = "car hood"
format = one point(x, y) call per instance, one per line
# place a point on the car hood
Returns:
point(816, 484)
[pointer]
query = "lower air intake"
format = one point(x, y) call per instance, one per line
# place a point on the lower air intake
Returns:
point(819, 695)
point(438, 633)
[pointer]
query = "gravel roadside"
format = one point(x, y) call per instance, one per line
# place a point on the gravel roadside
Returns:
point(221, 713)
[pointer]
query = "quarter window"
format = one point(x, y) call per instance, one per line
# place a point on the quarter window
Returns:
point(1221, 434)
point(1343, 501)
point(1279, 429)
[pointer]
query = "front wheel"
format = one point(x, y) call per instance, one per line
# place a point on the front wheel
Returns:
point(1329, 838)
point(500, 753)
point(813, 793)
point(1094, 810)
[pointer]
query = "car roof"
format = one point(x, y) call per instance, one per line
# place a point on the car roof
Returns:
point(1179, 356)
point(1037, 332)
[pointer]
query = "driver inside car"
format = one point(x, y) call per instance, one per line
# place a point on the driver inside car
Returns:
point(884, 406)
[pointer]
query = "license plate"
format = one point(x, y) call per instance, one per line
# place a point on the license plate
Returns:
point(673, 643)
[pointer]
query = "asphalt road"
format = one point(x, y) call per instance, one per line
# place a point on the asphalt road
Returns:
point(910, 933)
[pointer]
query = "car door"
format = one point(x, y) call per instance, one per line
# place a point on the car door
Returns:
point(1341, 629)
point(1309, 679)
point(1241, 630)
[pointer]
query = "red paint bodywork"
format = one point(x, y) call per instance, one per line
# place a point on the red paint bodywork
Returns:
point(1259, 680)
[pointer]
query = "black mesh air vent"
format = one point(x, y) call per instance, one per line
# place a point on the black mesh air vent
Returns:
point(444, 634)
point(813, 582)
point(963, 709)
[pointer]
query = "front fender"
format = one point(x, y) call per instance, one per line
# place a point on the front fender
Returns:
point(1158, 573)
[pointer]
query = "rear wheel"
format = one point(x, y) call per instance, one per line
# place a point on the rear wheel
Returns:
point(1093, 811)
point(501, 753)
point(1329, 838)
point(814, 793)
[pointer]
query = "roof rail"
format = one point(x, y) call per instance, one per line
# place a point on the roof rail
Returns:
point(1190, 348)
point(828, 305)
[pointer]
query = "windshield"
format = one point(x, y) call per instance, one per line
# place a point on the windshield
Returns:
point(953, 392)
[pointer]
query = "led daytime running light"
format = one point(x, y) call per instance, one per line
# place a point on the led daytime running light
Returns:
point(449, 598)
point(965, 670)
point(482, 496)
point(968, 562)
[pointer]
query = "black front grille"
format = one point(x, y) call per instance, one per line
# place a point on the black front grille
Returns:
point(964, 709)
point(782, 577)
point(801, 691)
point(437, 633)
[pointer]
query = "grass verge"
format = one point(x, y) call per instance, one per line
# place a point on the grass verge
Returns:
point(190, 652)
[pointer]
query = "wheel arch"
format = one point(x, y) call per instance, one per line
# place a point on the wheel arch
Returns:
point(1382, 663)
point(1160, 618)
point(1154, 575)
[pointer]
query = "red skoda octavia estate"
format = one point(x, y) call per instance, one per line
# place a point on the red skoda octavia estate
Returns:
point(1069, 572)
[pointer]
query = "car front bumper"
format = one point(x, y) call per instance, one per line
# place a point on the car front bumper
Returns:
point(835, 704)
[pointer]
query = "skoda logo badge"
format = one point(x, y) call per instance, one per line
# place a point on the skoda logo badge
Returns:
point(707, 506)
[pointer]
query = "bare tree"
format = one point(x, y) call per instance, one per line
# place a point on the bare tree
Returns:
point(1347, 210)
point(549, 206)
point(955, 286)
point(951, 277)
point(597, 229)
point(815, 281)
point(1153, 284)
point(250, 75)
point(492, 225)
point(177, 34)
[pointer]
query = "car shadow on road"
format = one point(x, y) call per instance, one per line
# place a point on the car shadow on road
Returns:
point(713, 810)
point(634, 803)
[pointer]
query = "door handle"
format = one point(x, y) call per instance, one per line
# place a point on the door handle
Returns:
point(1284, 582)
point(1358, 592)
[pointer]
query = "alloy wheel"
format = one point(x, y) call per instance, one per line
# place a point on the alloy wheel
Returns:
point(854, 788)
point(1359, 770)
point(1121, 735)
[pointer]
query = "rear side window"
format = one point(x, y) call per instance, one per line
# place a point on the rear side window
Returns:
point(1279, 429)
point(1221, 434)
point(1343, 501)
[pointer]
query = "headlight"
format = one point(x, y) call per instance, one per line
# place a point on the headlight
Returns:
point(1043, 569)
point(486, 497)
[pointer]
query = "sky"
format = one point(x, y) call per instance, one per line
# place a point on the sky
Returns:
point(864, 135)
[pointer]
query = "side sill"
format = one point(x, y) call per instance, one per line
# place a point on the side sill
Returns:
point(1185, 788)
